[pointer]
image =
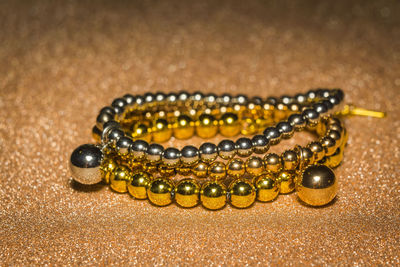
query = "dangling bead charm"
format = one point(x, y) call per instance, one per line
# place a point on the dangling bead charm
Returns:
point(318, 185)
point(85, 164)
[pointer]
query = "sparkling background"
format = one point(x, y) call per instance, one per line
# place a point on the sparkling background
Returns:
point(61, 61)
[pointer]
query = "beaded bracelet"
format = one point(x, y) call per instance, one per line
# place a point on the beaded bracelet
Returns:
point(125, 159)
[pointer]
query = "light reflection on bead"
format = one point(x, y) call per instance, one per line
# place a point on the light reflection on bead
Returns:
point(206, 126)
point(200, 169)
point(242, 193)
point(254, 166)
point(286, 180)
point(272, 162)
point(159, 191)
point(183, 127)
point(235, 167)
point(187, 193)
point(213, 195)
point(317, 149)
point(229, 125)
point(161, 131)
point(119, 179)
point(137, 187)
point(217, 170)
point(290, 160)
point(267, 187)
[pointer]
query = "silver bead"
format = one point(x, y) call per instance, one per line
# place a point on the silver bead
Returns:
point(85, 164)
point(260, 144)
point(149, 97)
point(171, 156)
point(154, 152)
point(139, 148)
point(189, 155)
point(257, 100)
point(300, 98)
point(339, 93)
point(109, 110)
point(139, 100)
point(226, 149)
point(102, 118)
point(311, 116)
point(119, 102)
point(334, 100)
point(107, 127)
point(285, 99)
point(183, 95)
point(273, 134)
point(311, 95)
point(123, 145)
point(328, 104)
point(197, 96)
point(160, 96)
point(244, 147)
point(114, 135)
point(272, 100)
point(226, 99)
point(285, 129)
point(130, 99)
point(297, 121)
point(172, 97)
point(321, 108)
point(210, 98)
point(241, 99)
point(118, 110)
point(208, 151)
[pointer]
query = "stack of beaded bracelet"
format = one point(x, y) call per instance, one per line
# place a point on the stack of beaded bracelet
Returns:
point(126, 159)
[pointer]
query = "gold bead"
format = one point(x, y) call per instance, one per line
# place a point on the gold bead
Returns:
point(165, 170)
point(290, 160)
point(307, 156)
point(184, 170)
point(281, 112)
point(267, 187)
point(235, 167)
point(217, 170)
point(213, 195)
point(272, 163)
point(334, 160)
point(318, 185)
point(141, 131)
point(137, 187)
point(229, 125)
point(242, 193)
point(329, 144)
point(161, 131)
point(200, 169)
point(150, 167)
point(286, 180)
point(206, 126)
point(107, 168)
point(335, 135)
point(183, 127)
point(187, 193)
point(119, 179)
point(317, 149)
point(254, 166)
point(321, 128)
point(159, 191)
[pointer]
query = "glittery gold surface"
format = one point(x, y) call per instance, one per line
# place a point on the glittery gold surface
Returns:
point(61, 61)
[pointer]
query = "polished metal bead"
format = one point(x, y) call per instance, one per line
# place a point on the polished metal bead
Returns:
point(286, 180)
point(119, 102)
point(149, 97)
point(161, 130)
point(285, 129)
point(311, 116)
point(129, 99)
point(290, 160)
point(141, 131)
point(242, 192)
point(171, 156)
point(285, 99)
point(217, 170)
point(267, 187)
point(114, 135)
point(273, 134)
point(200, 169)
point(272, 100)
point(119, 179)
point(123, 146)
point(229, 124)
point(183, 127)
point(257, 100)
point(208, 152)
point(244, 147)
point(108, 110)
point(254, 166)
point(317, 149)
point(102, 118)
point(210, 98)
point(138, 149)
point(335, 135)
point(159, 191)
point(339, 93)
point(154, 152)
point(137, 187)
point(334, 160)
point(294, 107)
point(307, 156)
point(311, 95)
point(301, 98)
point(318, 185)
point(206, 126)
point(226, 99)
point(187, 193)
point(190, 155)
point(272, 162)
point(235, 167)
point(96, 134)
point(329, 144)
point(183, 95)
point(107, 168)
point(85, 164)
point(226, 149)
point(213, 195)
point(160, 97)
point(172, 97)
point(327, 104)
point(241, 99)
point(334, 100)
point(260, 144)
point(337, 127)
point(321, 108)
point(139, 100)
point(197, 96)
point(297, 121)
